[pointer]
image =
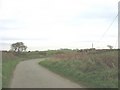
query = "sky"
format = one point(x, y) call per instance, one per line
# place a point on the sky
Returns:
point(55, 24)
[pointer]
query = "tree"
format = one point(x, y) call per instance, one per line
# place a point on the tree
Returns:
point(110, 47)
point(18, 47)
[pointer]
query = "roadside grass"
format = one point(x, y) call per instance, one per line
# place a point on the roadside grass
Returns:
point(9, 62)
point(8, 68)
point(0, 74)
point(98, 70)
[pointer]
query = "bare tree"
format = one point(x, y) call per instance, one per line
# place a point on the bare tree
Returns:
point(18, 47)
point(110, 47)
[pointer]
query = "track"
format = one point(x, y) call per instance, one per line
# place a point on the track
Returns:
point(29, 74)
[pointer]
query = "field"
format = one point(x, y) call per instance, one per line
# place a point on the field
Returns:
point(97, 69)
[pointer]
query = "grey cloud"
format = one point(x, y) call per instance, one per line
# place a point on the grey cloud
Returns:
point(8, 24)
point(96, 14)
point(99, 11)
point(9, 38)
point(4, 44)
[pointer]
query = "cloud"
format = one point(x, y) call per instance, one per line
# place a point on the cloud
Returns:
point(18, 39)
point(56, 23)
point(9, 24)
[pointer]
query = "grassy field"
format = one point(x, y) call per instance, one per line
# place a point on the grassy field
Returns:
point(97, 69)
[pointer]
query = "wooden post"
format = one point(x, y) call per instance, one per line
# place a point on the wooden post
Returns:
point(118, 42)
point(119, 25)
point(92, 45)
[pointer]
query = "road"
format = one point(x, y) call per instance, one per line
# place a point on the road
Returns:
point(29, 74)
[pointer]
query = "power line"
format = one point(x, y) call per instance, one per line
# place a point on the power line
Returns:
point(108, 28)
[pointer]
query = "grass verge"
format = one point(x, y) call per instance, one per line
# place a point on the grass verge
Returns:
point(9, 62)
point(7, 72)
point(93, 70)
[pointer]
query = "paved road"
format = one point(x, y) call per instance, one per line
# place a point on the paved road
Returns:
point(29, 74)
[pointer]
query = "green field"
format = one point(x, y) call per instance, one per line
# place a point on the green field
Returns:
point(93, 69)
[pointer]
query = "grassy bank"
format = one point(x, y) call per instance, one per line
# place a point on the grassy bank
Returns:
point(0, 74)
point(8, 68)
point(96, 69)
point(9, 62)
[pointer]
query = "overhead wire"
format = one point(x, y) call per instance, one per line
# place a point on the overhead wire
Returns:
point(108, 28)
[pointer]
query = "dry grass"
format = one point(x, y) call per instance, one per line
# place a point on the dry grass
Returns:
point(92, 69)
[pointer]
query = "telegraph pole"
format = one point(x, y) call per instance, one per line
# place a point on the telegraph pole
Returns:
point(119, 25)
point(92, 45)
point(118, 41)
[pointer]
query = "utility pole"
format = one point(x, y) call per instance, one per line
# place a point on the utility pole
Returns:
point(118, 39)
point(119, 25)
point(92, 45)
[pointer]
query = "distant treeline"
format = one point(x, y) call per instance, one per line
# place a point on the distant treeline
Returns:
point(62, 51)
